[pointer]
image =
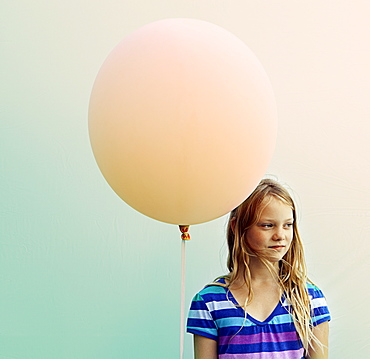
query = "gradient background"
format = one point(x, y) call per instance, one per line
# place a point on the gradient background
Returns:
point(82, 275)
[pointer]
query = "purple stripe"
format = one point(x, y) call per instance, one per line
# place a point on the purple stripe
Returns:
point(259, 338)
point(289, 354)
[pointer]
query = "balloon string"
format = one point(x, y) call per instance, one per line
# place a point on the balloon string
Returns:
point(182, 317)
point(185, 237)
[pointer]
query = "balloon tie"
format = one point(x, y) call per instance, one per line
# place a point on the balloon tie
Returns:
point(184, 230)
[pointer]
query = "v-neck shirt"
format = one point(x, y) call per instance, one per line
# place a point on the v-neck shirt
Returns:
point(230, 296)
point(215, 314)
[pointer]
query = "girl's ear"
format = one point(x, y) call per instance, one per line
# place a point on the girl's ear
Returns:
point(232, 224)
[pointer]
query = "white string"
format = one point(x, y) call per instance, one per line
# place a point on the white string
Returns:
point(182, 309)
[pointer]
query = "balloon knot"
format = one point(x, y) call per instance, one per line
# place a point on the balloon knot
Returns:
point(184, 230)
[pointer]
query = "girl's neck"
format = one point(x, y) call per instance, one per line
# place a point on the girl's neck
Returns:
point(259, 273)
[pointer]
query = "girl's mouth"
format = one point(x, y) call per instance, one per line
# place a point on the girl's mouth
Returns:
point(277, 247)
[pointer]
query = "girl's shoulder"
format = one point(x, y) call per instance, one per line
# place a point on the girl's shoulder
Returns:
point(314, 291)
point(215, 288)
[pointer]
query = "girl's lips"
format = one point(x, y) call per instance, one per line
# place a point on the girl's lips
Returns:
point(277, 247)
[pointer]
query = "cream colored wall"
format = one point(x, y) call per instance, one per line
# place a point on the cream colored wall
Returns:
point(82, 275)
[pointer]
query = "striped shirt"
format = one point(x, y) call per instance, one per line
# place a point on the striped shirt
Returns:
point(215, 314)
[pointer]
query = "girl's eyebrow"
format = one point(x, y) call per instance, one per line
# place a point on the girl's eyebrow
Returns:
point(273, 220)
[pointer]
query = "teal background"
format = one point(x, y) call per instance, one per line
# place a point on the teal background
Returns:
point(83, 275)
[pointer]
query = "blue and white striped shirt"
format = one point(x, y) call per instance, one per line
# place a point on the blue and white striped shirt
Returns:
point(215, 314)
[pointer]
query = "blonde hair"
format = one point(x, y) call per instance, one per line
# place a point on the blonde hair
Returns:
point(291, 274)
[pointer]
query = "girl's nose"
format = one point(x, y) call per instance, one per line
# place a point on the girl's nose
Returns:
point(278, 235)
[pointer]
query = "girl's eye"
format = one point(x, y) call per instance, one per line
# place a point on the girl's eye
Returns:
point(289, 225)
point(266, 225)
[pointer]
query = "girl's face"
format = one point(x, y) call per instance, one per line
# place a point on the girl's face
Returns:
point(273, 233)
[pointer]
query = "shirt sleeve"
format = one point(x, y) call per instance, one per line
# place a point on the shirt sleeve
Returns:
point(319, 308)
point(200, 320)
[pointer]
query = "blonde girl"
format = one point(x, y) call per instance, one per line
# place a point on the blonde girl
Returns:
point(265, 307)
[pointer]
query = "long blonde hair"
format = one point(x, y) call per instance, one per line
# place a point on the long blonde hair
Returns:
point(291, 274)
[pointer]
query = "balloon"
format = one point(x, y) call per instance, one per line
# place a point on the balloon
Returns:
point(182, 120)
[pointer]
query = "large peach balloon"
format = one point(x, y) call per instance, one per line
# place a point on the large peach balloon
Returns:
point(182, 120)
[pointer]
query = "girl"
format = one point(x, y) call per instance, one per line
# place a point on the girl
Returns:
point(265, 308)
